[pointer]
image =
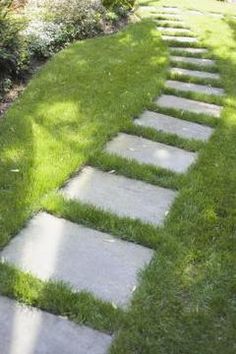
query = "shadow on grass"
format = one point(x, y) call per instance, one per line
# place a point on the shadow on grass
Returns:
point(82, 97)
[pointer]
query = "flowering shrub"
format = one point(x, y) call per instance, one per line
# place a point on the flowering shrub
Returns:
point(43, 38)
point(49, 26)
point(56, 23)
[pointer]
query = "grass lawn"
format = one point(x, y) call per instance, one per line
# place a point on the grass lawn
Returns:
point(185, 303)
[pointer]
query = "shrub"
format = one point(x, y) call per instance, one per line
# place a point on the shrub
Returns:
point(13, 50)
point(57, 22)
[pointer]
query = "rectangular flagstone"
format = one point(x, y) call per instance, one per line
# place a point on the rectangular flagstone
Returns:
point(120, 195)
point(179, 39)
point(172, 125)
point(195, 61)
point(189, 87)
point(174, 29)
point(26, 330)
point(189, 50)
point(170, 101)
point(194, 73)
point(170, 23)
point(86, 259)
point(166, 16)
point(150, 152)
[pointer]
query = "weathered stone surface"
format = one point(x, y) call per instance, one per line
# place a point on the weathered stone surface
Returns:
point(189, 50)
point(194, 73)
point(150, 152)
point(173, 30)
point(53, 248)
point(189, 87)
point(170, 101)
point(169, 9)
point(174, 125)
point(167, 17)
point(24, 330)
point(170, 23)
point(195, 61)
point(195, 12)
point(179, 39)
point(120, 195)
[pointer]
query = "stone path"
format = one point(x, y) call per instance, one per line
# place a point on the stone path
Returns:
point(24, 330)
point(86, 259)
point(194, 73)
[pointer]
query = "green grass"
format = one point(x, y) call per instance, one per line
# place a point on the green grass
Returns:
point(81, 98)
point(72, 107)
point(186, 301)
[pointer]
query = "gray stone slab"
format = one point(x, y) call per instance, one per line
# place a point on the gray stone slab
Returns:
point(172, 125)
point(195, 61)
point(86, 259)
point(120, 195)
point(179, 39)
point(169, 23)
point(171, 9)
point(174, 30)
point(169, 16)
point(170, 101)
point(189, 87)
point(195, 12)
point(194, 74)
point(189, 50)
point(24, 330)
point(150, 152)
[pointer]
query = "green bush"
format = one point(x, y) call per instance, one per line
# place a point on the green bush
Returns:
point(13, 49)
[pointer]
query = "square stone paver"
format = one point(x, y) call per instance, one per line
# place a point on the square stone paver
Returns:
point(120, 195)
point(86, 259)
point(189, 87)
point(194, 74)
point(25, 330)
point(150, 152)
point(184, 104)
point(174, 125)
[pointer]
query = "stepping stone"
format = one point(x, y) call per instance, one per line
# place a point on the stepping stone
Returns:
point(173, 9)
point(189, 50)
point(166, 16)
point(188, 87)
point(120, 195)
point(53, 248)
point(173, 29)
point(167, 24)
point(180, 127)
point(194, 73)
point(179, 39)
point(195, 12)
point(195, 61)
point(150, 152)
point(26, 330)
point(169, 101)
point(215, 14)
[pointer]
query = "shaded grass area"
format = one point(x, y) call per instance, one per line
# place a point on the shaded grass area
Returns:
point(186, 301)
